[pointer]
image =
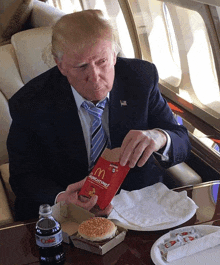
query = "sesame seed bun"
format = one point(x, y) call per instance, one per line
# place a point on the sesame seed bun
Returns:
point(97, 229)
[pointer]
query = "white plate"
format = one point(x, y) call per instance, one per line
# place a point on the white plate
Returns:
point(152, 208)
point(121, 222)
point(208, 257)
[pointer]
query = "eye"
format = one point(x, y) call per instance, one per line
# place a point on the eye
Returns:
point(82, 67)
point(102, 61)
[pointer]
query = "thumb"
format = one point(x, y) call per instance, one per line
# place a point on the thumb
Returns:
point(76, 186)
point(90, 203)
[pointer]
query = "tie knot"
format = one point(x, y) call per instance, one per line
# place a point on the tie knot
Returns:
point(95, 110)
point(102, 104)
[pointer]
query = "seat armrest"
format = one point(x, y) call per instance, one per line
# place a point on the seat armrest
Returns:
point(5, 211)
point(183, 175)
point(44, 15)
point(5, 175)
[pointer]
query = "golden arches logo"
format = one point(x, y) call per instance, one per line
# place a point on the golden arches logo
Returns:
point(100, 172)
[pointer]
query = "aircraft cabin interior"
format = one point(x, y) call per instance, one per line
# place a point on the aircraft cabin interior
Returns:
point(181, 37)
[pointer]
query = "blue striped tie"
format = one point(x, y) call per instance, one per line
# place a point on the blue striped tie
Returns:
point(99, 137)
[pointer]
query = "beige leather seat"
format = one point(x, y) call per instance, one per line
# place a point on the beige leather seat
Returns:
point(19, 64)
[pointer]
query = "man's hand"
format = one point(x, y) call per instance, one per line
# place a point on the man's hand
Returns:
point(71, 196)
point(139, 145)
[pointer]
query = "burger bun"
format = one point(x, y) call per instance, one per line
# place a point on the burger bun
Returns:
point(97, 229)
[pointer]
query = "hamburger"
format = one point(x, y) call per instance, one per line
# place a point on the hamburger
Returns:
point(97, 229)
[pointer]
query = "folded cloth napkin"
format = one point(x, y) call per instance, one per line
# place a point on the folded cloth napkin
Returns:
point(150, 206)
point(192, 247)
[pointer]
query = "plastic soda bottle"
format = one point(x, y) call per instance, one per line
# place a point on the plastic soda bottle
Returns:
point(49, 237)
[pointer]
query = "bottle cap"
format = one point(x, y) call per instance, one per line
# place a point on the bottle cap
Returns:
point(45, 210)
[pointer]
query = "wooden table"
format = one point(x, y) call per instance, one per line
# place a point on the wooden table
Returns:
point(17, 240)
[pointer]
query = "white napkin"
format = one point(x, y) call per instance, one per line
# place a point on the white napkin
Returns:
point(151, 206)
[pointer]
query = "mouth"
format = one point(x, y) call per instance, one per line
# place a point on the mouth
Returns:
point(96, 89)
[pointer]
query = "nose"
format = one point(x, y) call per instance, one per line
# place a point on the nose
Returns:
point(93, 73)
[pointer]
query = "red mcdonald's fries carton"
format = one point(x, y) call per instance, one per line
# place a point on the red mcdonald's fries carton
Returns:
point(105, 178)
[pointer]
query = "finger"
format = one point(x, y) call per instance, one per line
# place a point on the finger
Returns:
point(76, 186)
point(123, 158)
point(125, 142)
point(129, 148)
point(146, 154)
point(96, 210)
point(106, 211)
point(138, 152)
point(89, 204)
point(83, 198)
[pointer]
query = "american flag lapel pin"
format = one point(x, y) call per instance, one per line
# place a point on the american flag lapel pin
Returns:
point(123, 103)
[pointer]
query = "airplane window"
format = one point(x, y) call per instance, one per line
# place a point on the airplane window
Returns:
point(112, 11)
point(196, 40)
point(202, 70)
point(157, 39)
point(171, 35)
point(182, 42)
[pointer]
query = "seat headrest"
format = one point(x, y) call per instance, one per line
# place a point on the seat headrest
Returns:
point(33, 51)
point(9, 68)
point(5, 122)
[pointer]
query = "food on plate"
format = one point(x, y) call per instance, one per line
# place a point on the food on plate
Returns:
point(178, 238)
point(97, 229)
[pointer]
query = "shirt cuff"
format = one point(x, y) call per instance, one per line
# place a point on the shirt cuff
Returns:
point(55, 201)
point(165, 155)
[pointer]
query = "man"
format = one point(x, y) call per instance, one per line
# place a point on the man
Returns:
point(51, 142)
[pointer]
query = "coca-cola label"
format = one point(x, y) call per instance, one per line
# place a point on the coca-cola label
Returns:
point(49, 241)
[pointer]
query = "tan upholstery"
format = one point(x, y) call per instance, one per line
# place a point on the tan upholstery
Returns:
point(31, 64)
point(13, 18)
point(184, 175)
point(4, 169)
point(9, 85)
point(44, 17)
point(5, 211)
point(5, 121)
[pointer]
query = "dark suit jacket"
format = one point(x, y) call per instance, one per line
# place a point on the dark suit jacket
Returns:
point(46, 146)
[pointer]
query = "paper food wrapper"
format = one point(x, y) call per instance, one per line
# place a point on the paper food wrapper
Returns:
point(105, 178)
point(197, 245)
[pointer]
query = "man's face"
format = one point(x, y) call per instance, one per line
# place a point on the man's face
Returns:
point(90, 71)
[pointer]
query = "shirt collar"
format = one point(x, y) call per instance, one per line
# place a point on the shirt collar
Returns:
point(79, 99)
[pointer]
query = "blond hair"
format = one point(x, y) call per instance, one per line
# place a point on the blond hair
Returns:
point(80, 29)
